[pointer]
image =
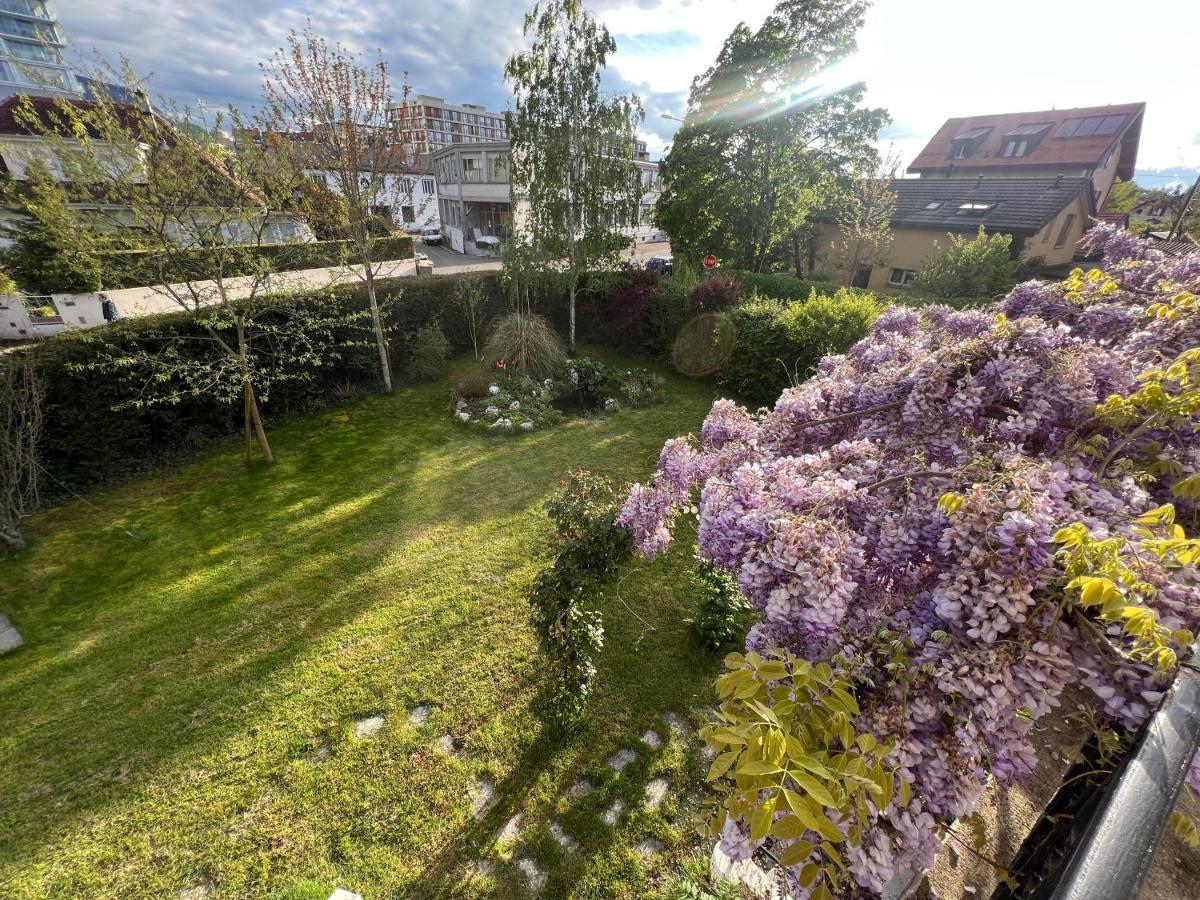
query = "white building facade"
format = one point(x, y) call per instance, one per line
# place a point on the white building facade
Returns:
point(409, 199)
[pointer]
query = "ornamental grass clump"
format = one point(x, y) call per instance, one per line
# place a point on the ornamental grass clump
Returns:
point(526, 343)
point(944, 528)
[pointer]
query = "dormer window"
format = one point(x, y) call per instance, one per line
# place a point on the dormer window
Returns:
point(965, 144)
point(1023, 139)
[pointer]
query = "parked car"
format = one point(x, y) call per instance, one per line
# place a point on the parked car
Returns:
point(659, 264)
point(431, 235)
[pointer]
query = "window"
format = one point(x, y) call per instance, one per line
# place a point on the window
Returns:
point(33, 52)
point(975, 209)
point(1023, 139)
point(1015, 148)
point(428, 186)
point(1088, 126)
point(1066, 229)
point(933, 204)
point(901, 277)
point(962, 149)
point(967, 142)
point(408, 215)
point(500, 168)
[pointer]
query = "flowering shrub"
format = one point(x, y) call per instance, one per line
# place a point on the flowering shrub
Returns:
point(515, 402)
point(960, 516)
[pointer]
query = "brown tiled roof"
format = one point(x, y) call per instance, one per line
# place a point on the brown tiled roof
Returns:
point(1053, 151)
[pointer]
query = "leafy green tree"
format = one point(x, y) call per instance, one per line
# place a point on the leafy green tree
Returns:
point(981, 266)
point(203, 213)
point(573, 177)
point(764, 144)
point(53, 249)
point(865, 224)
point(1123, 196)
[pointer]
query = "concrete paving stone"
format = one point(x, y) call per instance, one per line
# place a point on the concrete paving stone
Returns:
point(621, 759)
point(510, 832)
point(651, 739)
point(534, 877)
point(199, 892)
point(446, 745)
point(580, 789)
point(613, 814)
point(679, 726)
point(10, 638)
point(343, 894)
point(656, 793)
point(418, 715)
point(564, 840)
point(483, 795)
point(649, 847)
point(368, 727)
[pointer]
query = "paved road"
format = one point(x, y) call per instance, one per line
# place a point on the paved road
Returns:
point(447, 262)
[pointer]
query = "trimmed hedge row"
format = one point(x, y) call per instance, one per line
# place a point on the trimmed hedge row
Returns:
point(138, 268)
point(779, 286)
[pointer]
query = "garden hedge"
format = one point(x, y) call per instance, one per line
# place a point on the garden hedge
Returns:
point(138, 268)
point(776, 343)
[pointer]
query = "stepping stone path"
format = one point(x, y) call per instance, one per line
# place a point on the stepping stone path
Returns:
point(446, 745)
point(656, 793)
point(613, 813)
point(343, 894)
point(199, 892)
point(534, 877)
point(651, 739)
point(649, 847)
point(510, 832)
point(563, 839)
point(483, 795)
point(481, 868)
point(580, 790)
point(365, 728)
point(10, 638)
point(418, 715)
point(621, 759)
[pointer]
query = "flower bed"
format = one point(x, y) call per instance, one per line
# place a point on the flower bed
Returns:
point(514, 402)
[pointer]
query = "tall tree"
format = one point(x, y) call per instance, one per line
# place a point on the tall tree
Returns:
point(573, 176)
point(1123, 196)
point(335, 104)
point(769, 136)
point(865, 221)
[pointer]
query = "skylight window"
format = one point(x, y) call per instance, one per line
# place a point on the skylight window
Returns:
point(975, 208)
point(1089, 126)
point(933, 204)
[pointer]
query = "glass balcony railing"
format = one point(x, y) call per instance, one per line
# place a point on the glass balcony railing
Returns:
point(31, 8)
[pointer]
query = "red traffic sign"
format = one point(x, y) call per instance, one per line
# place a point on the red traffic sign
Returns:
point(710, 262)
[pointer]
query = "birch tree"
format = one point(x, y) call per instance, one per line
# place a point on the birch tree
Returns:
point(574, 181)
point(21, 395)
point(335, 104)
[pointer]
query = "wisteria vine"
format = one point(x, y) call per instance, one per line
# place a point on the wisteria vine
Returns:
point(909, 515)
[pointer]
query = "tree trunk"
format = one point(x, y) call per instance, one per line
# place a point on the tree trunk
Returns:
point(385, 366)
point(249, 400)
point(247, 427)
point(571, 326)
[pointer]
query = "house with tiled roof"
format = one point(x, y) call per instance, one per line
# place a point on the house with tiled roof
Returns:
point(1045, 216)
point(1096, 142)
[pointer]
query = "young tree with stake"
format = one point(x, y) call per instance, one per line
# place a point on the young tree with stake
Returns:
point(572, 147)
point(337, 103)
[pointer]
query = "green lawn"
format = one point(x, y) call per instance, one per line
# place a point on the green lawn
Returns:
point(183, 713)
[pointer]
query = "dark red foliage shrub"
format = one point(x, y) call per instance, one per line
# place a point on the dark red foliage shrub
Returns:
point(623, 307)
point(715, 294)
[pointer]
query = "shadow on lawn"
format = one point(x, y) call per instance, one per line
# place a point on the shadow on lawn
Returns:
point(106, 695)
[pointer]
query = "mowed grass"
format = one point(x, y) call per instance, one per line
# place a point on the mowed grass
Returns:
point(183, 713)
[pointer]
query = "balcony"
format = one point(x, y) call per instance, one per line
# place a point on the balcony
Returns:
point(29, 9)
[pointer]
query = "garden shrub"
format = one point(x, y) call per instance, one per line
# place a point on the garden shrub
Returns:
point(716, 293)
point(527, 343)
point(722, 613)
point(474, 382)
point(622, 308)
point(778, 344)
point(428, 354)
point(981, 266)
point(778, 285)
point(945, 529)
point(589, 547)
point(666, 313)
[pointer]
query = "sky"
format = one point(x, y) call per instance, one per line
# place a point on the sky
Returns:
point(922, 60)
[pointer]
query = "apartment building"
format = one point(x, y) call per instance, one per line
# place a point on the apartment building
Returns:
point(31, 52)
point(425, 124)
